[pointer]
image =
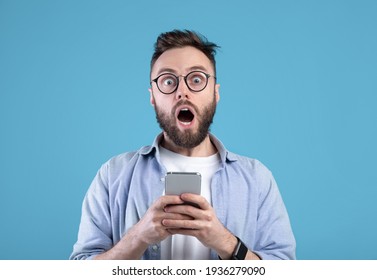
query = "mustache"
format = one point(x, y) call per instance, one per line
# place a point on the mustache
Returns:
point(184, 102)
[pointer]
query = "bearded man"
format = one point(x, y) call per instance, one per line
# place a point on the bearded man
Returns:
point(239, 213)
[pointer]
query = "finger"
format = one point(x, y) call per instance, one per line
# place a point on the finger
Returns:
point(192, 211)
point(181, 224)
point(184, 209)
point(196, 199)
point(190, 232)
point(165, 200)
point(176, 216)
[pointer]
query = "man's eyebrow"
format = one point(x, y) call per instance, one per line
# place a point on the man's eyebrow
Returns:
point(166, 69)
point(173, 71)
point(198, 67)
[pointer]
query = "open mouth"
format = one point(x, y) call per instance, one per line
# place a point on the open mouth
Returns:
point(185, 116)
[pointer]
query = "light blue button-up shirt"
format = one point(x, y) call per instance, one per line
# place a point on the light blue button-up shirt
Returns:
point(244, 195)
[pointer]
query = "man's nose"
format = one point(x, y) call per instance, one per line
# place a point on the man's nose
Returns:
point(182, 89)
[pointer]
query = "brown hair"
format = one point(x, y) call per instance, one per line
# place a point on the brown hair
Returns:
point(183, 38)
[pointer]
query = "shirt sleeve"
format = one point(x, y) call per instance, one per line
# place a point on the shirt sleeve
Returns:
point(95, 234)
point(275, 239)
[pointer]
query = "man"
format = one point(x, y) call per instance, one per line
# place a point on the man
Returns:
point(239, 214)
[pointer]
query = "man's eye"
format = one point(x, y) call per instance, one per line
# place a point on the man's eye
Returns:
point(168, 82)
point(197, 80)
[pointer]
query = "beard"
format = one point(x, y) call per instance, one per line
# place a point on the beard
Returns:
point(187, 138)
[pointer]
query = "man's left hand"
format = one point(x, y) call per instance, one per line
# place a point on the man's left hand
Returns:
point(205, 225)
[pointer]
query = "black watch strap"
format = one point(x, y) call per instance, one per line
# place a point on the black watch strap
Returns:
point(240, 251)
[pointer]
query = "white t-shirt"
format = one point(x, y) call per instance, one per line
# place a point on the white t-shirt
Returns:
point(182, 247)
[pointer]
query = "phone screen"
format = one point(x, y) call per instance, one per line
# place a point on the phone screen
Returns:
point(177, 183)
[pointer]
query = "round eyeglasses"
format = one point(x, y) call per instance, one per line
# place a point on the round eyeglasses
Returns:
point(168, 83)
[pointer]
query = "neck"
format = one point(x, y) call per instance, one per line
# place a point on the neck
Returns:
point(204, 149)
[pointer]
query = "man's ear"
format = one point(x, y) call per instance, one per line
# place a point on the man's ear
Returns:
point(151, 97)
point(217, 92)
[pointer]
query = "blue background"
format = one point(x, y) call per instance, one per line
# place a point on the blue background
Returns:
point(298, 92)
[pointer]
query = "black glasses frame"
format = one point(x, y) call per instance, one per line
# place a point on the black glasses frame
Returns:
point(185, 79)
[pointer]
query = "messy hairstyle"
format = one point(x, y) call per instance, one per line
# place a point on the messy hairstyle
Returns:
point(184, 38)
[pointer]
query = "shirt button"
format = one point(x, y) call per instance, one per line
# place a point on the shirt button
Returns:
point(154, 247)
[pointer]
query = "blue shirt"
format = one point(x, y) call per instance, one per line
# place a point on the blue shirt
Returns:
point(244, 195)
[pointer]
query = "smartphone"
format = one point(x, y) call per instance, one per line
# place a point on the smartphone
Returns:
point(177, 183)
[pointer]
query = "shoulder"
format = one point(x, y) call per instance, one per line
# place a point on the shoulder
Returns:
point(128, 158)
point(251, 164)
point(251, 172)
point(122, 167)
point(248, 168)
point(132, 157)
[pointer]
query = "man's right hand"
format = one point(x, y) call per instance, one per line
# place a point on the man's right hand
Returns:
point(149, 230)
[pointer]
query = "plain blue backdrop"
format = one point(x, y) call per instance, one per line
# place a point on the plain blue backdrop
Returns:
point(298, 92)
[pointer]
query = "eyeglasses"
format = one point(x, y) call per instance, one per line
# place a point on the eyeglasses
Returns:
point(168, 83)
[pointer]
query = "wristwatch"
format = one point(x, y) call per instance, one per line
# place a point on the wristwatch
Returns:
point(240, 251)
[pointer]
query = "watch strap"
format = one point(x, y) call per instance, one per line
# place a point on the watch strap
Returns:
point(240, 251)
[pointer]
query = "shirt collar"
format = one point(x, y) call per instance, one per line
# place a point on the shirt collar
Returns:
point(225, 155)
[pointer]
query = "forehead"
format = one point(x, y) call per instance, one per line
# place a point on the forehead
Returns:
point(181, 61)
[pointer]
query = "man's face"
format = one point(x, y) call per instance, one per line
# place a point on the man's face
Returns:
point(185, 116)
